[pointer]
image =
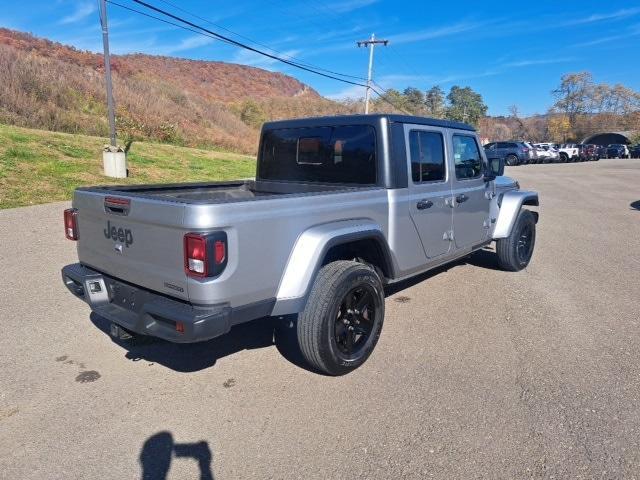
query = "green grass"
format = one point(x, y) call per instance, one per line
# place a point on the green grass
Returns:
point(38, 166)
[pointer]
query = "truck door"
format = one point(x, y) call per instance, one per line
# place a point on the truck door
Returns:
point(470, 193)
point(429, 187)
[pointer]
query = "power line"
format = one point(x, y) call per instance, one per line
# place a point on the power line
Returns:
point(112, 2)
point(385, 99)
point(290, 57)
point(210, 34)
point(245, 46)
point(407, 64)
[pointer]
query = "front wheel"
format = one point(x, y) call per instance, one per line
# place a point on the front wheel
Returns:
point(515, 251)
point(342, 321)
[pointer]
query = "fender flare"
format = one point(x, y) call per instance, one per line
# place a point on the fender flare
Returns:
point(510, 204)
point(308, 253)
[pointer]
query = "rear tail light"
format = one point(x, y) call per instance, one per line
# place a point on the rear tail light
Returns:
point(71, 223)
point(205, 255)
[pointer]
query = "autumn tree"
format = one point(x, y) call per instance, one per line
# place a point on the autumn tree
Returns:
point(573, 96)
point(391, 100)
point(465, 105)
point(434, 101)
point(414, 100)
point(559, 128)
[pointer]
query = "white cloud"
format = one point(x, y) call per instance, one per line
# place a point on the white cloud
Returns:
point(632, 32)
point(247, 57)
point(599, 17)
point(544, 61)
point(82, 11)
point(429, 34)
point(349, 5)
point(350, 92)
point(188, 43)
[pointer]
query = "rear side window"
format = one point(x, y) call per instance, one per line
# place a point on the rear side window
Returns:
point(427, 156)
point(340, 154)
point(467, 158)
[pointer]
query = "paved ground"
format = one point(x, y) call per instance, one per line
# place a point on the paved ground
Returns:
point(478, 373)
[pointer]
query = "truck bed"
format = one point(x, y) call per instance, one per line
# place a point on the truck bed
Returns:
point(220, 192)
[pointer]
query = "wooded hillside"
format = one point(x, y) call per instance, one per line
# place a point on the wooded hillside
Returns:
point(56, 87)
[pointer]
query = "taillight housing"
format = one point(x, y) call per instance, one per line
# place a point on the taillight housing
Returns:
point(71, 223)
point(205, 254)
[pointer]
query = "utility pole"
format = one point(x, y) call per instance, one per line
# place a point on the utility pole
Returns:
point(371, 43)
point(107, 71)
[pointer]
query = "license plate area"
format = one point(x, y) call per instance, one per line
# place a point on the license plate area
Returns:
point(125, 296)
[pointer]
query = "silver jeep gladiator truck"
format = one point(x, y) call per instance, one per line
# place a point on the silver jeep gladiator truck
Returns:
point(340, 207)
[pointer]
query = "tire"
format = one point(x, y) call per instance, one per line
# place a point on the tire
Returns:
point(515, 251)
point(511, 160)
point(564, 158)
point(332, 338)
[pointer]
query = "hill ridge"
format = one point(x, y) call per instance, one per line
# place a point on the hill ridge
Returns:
point(51, 86)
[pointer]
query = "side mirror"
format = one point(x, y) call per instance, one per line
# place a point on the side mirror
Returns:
point(496, 169)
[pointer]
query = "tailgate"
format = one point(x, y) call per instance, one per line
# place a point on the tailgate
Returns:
point(134, 239)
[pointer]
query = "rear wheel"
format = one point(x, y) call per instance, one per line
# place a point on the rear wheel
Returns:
point(564, 158)
point(511, 160)
point(342, 321)
point(515, 251)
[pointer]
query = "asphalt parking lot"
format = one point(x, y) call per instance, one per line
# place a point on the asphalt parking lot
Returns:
point(478, 374)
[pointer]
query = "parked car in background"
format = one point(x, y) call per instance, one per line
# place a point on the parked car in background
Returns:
point(594, 152)
point(513, 153)
point(535, 156)
point(601, 151)
point(617, 150)
point(634, 152)
point(586, 152)
point(568, 152)
point(547, 153)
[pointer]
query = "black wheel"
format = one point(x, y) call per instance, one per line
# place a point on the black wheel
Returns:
point(511, 160)
point(342, 321)
point(564, 158)
point(515, 251)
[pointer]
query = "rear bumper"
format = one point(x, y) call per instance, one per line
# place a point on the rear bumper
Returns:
point(148, 313)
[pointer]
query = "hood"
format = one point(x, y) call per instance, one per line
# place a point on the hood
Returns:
point(506, 183)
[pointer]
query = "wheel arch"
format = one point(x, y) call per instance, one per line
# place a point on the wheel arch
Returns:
point(510, 204)
point(323, 244)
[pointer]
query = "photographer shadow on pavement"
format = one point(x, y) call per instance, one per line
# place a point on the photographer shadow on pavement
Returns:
point(159, 449)
point(190, 357)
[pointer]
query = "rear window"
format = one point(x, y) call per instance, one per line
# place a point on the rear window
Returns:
point(427, 156)
point(340, 154)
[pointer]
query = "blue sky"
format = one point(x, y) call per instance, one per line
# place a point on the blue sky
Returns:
point(512, 53)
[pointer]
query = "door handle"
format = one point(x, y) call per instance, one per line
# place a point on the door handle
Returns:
point(461, 198)
point(424, 204)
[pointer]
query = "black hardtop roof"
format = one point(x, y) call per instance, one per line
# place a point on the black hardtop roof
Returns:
point(365, 119)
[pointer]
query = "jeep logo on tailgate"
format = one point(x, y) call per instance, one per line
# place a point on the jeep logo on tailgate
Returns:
point(123, 235)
